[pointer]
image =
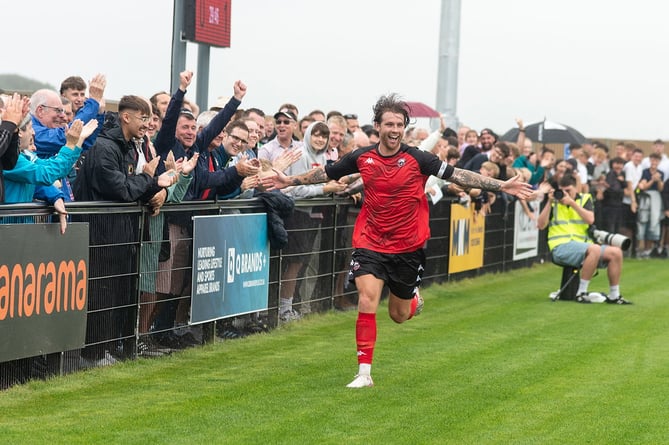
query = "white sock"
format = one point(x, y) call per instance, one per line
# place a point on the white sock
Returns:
point(365, 369)
point(285, 304)
point(614, 292)
point(583, 287)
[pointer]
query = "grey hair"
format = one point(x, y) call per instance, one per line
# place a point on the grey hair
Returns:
point(205, 118)
point(41, 97)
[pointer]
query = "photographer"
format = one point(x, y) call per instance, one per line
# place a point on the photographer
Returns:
point(568, 216)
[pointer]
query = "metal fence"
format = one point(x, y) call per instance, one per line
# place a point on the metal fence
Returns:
point(138, 306)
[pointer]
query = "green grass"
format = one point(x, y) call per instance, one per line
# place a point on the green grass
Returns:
point(490, 360)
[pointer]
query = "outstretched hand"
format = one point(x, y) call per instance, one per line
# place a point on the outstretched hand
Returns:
point(87, 130)
point(73, 133)
point(515, 187)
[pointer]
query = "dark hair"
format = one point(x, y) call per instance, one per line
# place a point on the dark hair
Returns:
point(617, 160)
point(655, 156)
point(257, 111)
point(573, 147)
point(320, 128)
point(567, 180)
point(393, 104)
point(503, 148)
point(239, 123)
point(72, 83)
point(134, 103)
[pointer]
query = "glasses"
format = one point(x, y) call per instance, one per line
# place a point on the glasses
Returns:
point(283, 122)
point(144, 119)
point(56, 109)
point(350, 116)
point(238, 139)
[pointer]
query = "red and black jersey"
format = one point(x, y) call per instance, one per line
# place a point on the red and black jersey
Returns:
point(395, 216)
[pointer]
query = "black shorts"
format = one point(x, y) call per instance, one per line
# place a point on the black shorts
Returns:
point(402, 272)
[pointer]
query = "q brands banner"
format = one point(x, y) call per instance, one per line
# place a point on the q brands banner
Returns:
point(467, 239)
point(43, 289)
point(525, 231)
point(230, 266)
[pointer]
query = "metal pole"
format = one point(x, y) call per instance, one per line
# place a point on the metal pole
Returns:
point(449, 49)
point(202, 76)
point(178, 45)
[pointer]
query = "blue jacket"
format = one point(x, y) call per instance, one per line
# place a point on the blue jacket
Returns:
point(224, 181)
point(22, 180)
point(49, 140)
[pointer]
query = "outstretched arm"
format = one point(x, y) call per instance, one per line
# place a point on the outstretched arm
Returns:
point(512, 186)
point(314, 176)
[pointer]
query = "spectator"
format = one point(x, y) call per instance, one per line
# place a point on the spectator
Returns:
point(632, 171)
point(568, 220)
point(179, 135)
point(497, 154)
point(612, 198)
point(258, 116)
point(22, 181)
point(303, 124)
point(305, 221)
point(12, 110)
point(338, 129)
point(161, 100)
point(649, 208)
point(74, 89)
point(286, 123)
point(317, 115)
point(352, 124)
point(487, 139)
point(110, 173)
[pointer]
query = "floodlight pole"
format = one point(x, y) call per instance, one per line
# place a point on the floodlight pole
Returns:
point(449, 51)
point(178, 45)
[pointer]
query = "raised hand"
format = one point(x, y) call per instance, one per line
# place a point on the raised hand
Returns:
point(150, 167)
point(240, 90)
point(246, 167)
point(170, 163)
point(87, 130)
point(188, 166)
point(73, 134)
point(168, 178)
point(14, 109)
point(287, 158)
point(96, 87)
point(185, 78)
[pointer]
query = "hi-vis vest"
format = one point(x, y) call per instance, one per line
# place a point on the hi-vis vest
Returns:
point(567, 225)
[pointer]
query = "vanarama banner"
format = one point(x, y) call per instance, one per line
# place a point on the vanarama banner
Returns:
point(230, 266)
point(43, 289)
point(467, 239)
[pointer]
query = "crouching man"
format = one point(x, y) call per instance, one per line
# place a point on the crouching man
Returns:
point(568, 216)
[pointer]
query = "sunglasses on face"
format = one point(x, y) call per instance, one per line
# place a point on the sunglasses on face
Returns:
point(283, 122)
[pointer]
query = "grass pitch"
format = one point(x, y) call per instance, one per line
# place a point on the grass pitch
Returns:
point(491, 360)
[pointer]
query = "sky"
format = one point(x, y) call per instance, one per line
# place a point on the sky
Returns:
point(600, 66)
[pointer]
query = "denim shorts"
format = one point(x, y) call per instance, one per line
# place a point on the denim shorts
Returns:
point(572, 253)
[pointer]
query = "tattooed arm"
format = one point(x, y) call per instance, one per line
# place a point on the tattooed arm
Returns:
point(470, 179)
point(314, 176)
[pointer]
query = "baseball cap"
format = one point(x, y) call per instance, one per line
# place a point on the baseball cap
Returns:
point(488, 131)
point(285, 113)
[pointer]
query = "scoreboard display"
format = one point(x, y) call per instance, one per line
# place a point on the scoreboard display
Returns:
point(208, 22)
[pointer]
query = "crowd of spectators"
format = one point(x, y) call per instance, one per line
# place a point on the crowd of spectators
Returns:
point(64, 145)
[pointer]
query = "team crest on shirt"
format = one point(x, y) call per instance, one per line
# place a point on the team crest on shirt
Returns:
point(401, 162)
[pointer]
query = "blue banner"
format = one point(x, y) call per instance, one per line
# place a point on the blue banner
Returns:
point(230, 266)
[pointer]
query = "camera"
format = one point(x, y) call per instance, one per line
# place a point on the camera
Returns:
point(612, 239)
point(558, 194)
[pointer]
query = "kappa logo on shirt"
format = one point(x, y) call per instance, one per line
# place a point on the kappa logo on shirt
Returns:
point(369, 161)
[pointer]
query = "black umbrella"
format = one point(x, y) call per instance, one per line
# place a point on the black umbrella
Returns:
point(547, 132)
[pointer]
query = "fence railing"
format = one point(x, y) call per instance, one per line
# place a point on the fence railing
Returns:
point(138, 305)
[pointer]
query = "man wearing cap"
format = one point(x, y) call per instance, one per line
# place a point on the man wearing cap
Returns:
point(286, 123)
point(487, 139)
